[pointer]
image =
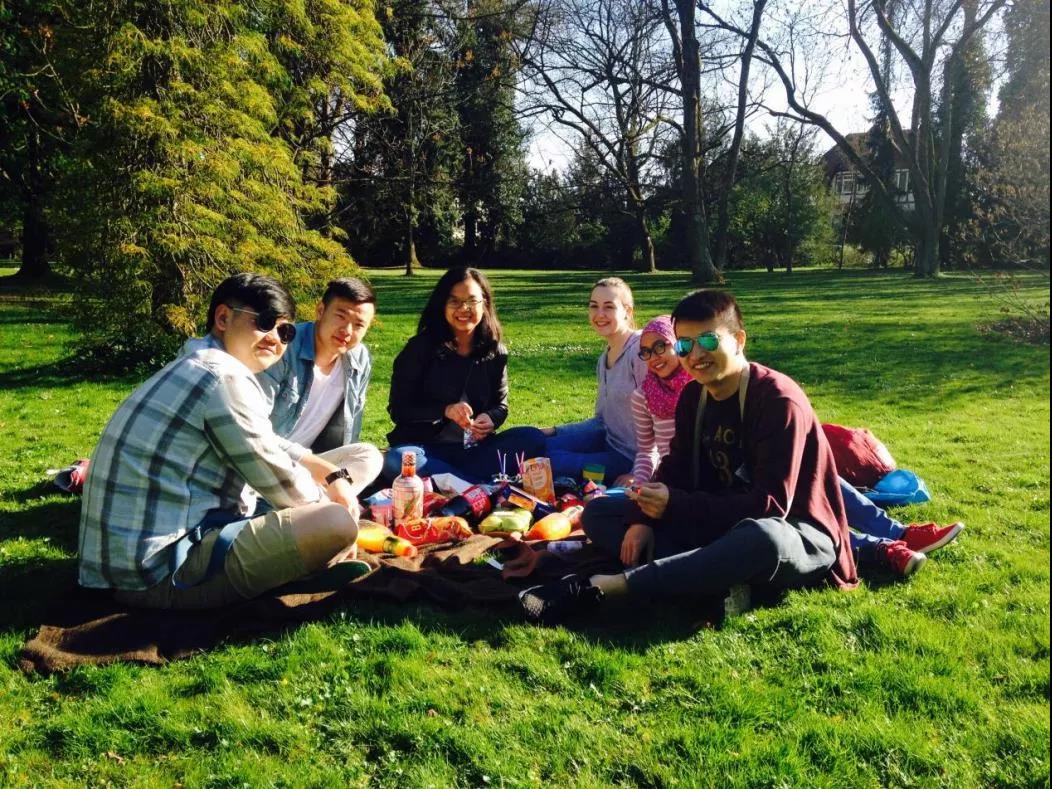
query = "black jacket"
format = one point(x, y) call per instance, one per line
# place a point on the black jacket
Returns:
point(428, 377)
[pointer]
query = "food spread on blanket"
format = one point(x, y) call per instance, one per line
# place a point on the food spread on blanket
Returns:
point(530, 506)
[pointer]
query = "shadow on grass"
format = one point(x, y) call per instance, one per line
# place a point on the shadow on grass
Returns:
point(33, 578)
point(65, 372)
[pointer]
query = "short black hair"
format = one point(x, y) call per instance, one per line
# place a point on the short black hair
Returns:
point(707, 305)
point(256, 292)
point(488, 334)
point(349, 288)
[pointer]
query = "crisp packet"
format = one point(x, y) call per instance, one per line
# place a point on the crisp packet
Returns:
point(537, 479)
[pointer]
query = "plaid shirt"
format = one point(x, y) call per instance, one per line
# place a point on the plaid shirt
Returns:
point(187, 441)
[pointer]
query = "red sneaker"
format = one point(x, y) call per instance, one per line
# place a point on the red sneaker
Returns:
point(927, 537)
point(900, 559)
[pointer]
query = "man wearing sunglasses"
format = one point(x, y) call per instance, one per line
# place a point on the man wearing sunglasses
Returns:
point(165, 517)
point(317, 389)
point(748, 495)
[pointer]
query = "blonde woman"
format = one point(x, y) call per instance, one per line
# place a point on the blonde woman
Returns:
point(608, 438)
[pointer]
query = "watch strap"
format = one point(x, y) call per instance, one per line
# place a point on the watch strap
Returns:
point(340, 473)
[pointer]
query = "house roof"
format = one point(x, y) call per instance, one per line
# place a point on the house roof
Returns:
point(835, 160)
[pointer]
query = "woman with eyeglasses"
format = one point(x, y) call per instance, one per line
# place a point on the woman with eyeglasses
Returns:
point(607, 439)
point(449, 387)
point(654, 402)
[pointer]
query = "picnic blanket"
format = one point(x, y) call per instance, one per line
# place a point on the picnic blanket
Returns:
point(89, 628)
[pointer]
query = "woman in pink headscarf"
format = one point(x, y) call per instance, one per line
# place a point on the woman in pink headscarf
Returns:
point(654, 402)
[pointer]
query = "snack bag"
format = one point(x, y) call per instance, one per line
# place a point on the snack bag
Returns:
point(429, 531)
point(514, 521)
point(537, 479)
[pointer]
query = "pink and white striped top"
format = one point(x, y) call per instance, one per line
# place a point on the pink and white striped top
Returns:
point(653, 436)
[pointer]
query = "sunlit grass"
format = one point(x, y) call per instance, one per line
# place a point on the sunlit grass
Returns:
point(940, 680)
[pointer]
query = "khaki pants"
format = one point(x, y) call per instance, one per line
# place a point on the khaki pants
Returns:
point(263, 556)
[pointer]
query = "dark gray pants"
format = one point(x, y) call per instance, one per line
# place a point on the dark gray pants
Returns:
point(772, 552)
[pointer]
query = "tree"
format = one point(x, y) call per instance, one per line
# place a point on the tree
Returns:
point(599, 75)
point(179, 180)
point(780, 210)
point(679, 19)
point(401, 165)
point(492, 172)
point(38, 117)
point(928, 37)
point(875, 225)
point(964, 100)
point(1012, 174)
point(741, 110)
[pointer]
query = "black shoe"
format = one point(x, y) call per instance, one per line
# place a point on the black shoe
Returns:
point(550, 604)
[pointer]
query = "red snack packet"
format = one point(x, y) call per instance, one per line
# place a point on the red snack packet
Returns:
point(429, 531)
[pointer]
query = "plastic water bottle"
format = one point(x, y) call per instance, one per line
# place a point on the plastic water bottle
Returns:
point(407, 492)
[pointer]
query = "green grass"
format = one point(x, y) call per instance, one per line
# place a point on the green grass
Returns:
point(940, 680)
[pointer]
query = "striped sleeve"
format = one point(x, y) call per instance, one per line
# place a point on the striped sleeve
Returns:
point(237, 425)
point(646, 450)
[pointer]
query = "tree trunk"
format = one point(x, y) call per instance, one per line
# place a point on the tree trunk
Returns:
point(926, 263)
point(646, 242)
point(34, 241)
point(34, 227)
point(697, 230)
point(411, 261)
point(471, 235)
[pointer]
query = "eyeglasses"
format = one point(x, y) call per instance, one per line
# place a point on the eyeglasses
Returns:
point(657, 349)
point(267, 320)
point(709, 341)
point(458, 305)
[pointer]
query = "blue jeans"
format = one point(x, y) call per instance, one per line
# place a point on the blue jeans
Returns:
point(871, 526)
point(771, 552)
point(471, 464)
point(575, 446)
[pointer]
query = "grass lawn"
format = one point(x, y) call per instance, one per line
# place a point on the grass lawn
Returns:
point(943, 679)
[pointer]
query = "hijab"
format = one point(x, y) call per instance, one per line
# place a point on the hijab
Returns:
point(662, 394)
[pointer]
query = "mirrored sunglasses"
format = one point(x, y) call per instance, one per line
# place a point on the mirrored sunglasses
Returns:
point(709, 341)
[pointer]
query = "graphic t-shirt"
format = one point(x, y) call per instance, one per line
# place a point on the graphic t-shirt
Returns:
point(722, 457)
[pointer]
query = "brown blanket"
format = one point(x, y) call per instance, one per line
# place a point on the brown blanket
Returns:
point(89, 628)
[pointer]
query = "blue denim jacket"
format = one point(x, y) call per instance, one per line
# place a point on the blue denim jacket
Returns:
point(286, 385)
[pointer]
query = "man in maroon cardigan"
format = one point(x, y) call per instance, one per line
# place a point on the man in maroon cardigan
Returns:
point(748, 494)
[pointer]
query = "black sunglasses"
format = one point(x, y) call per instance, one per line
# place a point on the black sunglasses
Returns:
point(267, 320)
point(657, 349)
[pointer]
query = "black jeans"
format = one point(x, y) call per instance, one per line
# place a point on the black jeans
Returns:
point(771, 552)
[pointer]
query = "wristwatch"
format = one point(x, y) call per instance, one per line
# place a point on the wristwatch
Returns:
point(340, 473)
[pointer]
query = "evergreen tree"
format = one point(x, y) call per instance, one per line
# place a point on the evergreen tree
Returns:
point(179, 180)
point(964, 99)
point(492, 173)
point(397, 192)
point(38, 119)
